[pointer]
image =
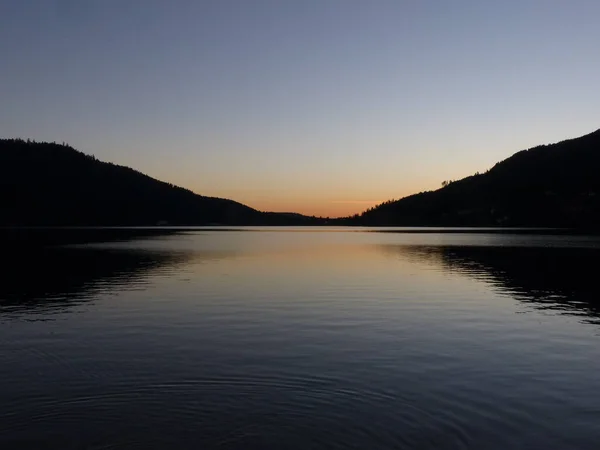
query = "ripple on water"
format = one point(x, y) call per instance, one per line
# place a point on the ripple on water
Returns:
point(229, 411)
point(319, 355)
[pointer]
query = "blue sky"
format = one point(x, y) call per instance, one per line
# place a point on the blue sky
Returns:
point(317, 106)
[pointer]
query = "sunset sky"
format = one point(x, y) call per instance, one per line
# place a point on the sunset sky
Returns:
point(323, 107)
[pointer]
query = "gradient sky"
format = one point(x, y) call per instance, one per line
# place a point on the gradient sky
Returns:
point(322, 107)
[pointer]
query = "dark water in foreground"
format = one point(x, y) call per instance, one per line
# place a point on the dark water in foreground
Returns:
point(281, 339)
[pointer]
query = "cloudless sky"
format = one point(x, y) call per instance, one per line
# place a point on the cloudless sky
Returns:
point(322, 107)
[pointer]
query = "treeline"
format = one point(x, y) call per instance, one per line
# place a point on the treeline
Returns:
point(53, 184)
point(50, 184)
point(553, 185)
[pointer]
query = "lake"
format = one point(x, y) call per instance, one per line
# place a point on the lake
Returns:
point(299, 338)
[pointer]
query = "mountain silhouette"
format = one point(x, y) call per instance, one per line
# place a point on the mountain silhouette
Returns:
point(49, 184)
point(553, 185)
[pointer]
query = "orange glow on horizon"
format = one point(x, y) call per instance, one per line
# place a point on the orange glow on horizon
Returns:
point(332, 210)
point(335, 204)
point(333, 201)
point(318, 208)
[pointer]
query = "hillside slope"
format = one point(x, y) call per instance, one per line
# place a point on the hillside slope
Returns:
point(555, 185)
point(49, 184)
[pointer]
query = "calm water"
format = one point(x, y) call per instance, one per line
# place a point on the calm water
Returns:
point(298, 339)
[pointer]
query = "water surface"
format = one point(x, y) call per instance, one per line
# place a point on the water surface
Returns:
point(301, 338)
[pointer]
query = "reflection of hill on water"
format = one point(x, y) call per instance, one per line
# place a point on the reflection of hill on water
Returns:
point(51, 279)
point(41, 276)
point(16, 240)
point(559, 279)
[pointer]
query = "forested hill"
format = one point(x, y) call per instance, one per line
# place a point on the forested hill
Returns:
point(555, 185)
point(47, 184)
